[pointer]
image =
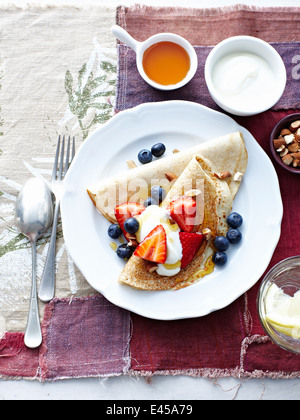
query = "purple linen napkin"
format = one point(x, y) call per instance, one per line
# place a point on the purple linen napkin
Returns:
point(84, 337)
point(133, 90)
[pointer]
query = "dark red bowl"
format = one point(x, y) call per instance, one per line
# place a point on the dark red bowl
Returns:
point(284, 123)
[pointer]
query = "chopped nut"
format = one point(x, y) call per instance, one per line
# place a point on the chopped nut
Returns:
point(284, 152)
point(133, 243)
point(297, 135)
point(281, 149)
point(223, 175)
point(151, 267)
point(296, 155)
point(287, 159)
point(176, 151)
point(289, 138)
point(279, 143)
point(238, 176)
point(170, 176)
point(285, 132)
point(293, 147)
point(296, 163)
point(131, 164)
point(193, 193)
point(294, 126)
point(207, 233)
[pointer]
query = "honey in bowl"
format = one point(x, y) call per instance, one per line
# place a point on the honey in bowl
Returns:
point(166, 63)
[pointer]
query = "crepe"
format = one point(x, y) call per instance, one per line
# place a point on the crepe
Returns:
point(226, 153)
point(217, 199)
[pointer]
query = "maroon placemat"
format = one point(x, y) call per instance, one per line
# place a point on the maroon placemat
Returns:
point(229, 342)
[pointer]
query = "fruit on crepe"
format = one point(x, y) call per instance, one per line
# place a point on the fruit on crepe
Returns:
point(125, 211)
point(191, 243)
point(219, 258)
point(154, 246)
point(131, 225)
point(150, 202)
point(145, 156)
point(158, 194)
point(235, 220)
point(158, 149)
point(124, 251)
point(234, 236)
point(114, 231)
point(183, 212)
point(221, 243)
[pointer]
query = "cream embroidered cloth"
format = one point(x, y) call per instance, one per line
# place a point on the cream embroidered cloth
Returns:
point(58, 76)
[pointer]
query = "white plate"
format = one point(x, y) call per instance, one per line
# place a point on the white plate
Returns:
point(180, 125)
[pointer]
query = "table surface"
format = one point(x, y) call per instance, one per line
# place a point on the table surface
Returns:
point(158, 387)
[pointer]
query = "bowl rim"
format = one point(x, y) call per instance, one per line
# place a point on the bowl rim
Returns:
point(265, 280)
point(176, 39)
point(236, 39)
point(277, 127)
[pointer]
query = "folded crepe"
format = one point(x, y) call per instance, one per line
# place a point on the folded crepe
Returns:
point(226, 153)
point(217, 206)
point(200, 165)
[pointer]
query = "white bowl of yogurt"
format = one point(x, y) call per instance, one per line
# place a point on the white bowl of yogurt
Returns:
point(245, 75)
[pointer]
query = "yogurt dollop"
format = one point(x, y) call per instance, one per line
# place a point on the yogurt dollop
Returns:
point(148, 220)
point(243, 79)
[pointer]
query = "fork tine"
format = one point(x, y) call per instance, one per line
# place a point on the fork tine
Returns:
point(61, 158)
point(56, 159)
point(67, 156)
point(73, 149)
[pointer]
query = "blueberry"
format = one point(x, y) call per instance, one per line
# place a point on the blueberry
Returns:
point(145, 156)
point(158, 149)
point(235, 220)
point(234, 236)
point(114, 231)
point(219, 258)
point(221, 243)
point(150, 202)
point(131, 225)
point(124, 251)
point(158, 193)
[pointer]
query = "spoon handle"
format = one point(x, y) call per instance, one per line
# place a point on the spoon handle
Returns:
point(33, 333)
point(124, 36)
point(47, 286)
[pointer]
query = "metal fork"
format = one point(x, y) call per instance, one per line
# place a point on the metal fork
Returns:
point(47, 285)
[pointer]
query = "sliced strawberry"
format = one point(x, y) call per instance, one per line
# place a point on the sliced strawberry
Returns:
point(125, 211)
point(183, 212)
point(154, 246)
point(191, 243)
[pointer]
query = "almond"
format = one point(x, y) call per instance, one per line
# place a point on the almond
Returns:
point(289, 138)
point(278, 143)
point(294, 126)
point(293, 147)
point(297, 135)
point(285, 132)
point(287, 159)
point(296, 163)
point(151, 267)
point(223, 175)
point(131, 164)
point(296, 155)
point(284, 152)
point(170, 176)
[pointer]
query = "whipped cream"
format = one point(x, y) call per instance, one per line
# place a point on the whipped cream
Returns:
point(148, 220)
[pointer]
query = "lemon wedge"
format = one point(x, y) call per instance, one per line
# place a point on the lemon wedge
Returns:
point(283, 311)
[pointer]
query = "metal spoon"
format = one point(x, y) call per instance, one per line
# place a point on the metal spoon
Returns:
point(34, 216)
